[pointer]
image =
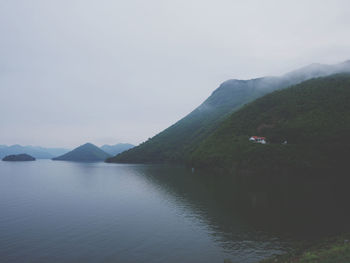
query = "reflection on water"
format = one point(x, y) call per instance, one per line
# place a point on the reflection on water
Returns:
point(96, 212)
point(210, 200)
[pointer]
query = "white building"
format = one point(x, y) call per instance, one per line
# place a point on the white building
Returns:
point(258, 139)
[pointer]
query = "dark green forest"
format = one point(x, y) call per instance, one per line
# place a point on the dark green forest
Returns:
point(313, 117)
point(178, 142)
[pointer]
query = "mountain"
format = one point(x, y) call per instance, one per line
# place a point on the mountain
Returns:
point(51, 151)
point(301, 174)
point(176, 143)
point(117, 148)
point(312, 118)
point(18, 157)
point(35, 151)
point(84, 153)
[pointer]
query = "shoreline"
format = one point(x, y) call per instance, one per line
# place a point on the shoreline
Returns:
point(334, 249)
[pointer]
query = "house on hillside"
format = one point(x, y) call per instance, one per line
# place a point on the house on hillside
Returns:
point(258, 139)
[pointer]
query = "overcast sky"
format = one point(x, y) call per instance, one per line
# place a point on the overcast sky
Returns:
point(110, 71)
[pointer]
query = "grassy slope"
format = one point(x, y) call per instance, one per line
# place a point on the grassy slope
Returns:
point(314, 117)
point(333, 250)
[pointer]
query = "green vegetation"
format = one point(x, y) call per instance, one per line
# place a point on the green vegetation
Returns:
point(313, 117)
point(177, 143)
point(84, 153)
point(332, 250)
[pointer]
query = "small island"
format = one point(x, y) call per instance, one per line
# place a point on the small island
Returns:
point(18, 157)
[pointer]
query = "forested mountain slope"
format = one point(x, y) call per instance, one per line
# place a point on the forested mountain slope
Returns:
point(177, 143)
point(313, 117)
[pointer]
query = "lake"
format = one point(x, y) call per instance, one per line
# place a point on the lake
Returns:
point(53, 211)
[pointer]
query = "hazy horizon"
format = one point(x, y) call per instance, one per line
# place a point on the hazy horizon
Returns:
point(112, 72)
point(67, 148)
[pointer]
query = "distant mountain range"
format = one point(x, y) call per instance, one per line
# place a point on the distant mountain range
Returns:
point(49, 153)
point(84, 153)
point(176, 143)
point(35, 151)
point(117, 148)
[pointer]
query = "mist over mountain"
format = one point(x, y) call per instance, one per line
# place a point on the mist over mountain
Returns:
point(52, 151)
point(35, 151)
point(84, 153)
point(312, 118)
point(177, 142)
point(117, 148)
point(317, 70)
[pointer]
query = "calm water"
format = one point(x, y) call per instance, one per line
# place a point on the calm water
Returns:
point(96, 212)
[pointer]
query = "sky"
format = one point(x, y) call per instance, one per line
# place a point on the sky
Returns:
point(112, 71)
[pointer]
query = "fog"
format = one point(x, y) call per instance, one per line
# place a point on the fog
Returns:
point(112, 71)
